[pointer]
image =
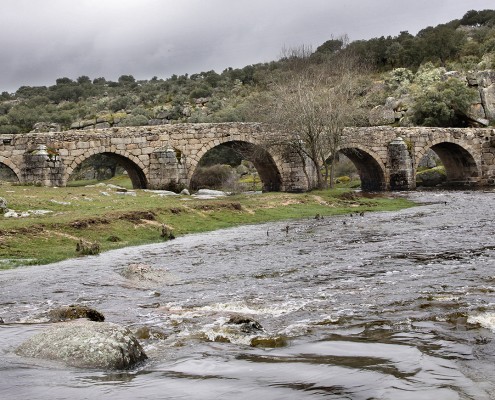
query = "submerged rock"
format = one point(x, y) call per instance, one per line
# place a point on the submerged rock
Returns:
point(86, 344)
point(74, 312)
point(144, 275)
point(246, 324)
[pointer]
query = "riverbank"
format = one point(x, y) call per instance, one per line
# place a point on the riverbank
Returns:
point(61, 223)
point(395, 305)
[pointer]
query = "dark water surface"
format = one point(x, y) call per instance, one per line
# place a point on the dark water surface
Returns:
point(386, 306)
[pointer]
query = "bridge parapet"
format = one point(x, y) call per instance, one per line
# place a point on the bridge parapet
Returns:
point(157, 156)
point(154, 156)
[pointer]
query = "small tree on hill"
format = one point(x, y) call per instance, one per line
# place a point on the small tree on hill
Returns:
point(311, 104)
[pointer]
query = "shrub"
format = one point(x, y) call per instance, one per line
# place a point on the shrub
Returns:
point(398, 77)
point(85, 248)
point(9, 129)
point(443, 104)
point(134, 120)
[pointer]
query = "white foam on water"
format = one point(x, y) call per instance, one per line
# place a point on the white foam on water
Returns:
point(486, 320)
point(241, 307)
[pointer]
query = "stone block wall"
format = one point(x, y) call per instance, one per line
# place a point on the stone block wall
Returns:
point(147, 152)
point(160, 156)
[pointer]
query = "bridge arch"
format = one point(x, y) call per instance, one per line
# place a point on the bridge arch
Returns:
point(266, 164)
point(7, 163)
point(460, 164)
point(370, 167)
point(133, 166)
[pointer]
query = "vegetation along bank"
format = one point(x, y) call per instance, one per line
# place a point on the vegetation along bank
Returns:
point(53, 224)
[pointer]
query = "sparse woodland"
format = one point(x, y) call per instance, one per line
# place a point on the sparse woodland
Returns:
point(415, 68)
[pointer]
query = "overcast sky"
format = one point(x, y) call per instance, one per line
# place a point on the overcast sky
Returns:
point(42, 40)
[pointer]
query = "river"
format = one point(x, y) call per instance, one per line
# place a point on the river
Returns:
point(393, 305)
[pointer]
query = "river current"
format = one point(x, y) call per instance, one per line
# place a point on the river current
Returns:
point(394, 305)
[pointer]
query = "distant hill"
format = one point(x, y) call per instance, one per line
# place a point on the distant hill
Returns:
point(410, 69)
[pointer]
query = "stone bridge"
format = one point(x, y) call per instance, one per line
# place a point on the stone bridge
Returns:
point(158, 157)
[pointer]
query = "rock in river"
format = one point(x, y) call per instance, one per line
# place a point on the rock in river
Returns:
point(86, 344)
point(73, 312)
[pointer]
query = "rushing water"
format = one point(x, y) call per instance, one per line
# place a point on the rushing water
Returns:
point(382, 306)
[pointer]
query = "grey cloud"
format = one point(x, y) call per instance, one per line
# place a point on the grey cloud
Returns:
point(45, 40)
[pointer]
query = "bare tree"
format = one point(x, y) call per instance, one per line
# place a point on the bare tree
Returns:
point(311, 102)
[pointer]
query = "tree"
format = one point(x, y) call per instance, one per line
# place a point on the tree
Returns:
point(83, 79)
point(64, 81)
point(478, 18)
point(311, 104)
point(442, 42)
point(126, 80)
point(5, 96)
point(330, 46)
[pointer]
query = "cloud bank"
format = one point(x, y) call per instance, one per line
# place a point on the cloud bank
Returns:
point(50, 39)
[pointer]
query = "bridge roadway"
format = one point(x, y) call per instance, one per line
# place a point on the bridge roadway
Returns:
point(163, 156)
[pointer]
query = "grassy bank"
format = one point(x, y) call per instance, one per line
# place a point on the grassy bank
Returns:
point(115, 219)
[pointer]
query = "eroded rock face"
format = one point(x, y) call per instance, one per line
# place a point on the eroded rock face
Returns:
point(481, 111)
point(381, 115)
point(86, 344)
point(488, 100)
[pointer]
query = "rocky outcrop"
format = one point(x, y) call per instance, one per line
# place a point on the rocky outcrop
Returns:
point(484, 81)
point(381, 115)
point(481, 112)
point(86, 344)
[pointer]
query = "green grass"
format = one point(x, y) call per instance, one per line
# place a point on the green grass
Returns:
point(113, 220)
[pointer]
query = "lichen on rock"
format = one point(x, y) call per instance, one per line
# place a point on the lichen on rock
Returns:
point(86, 344)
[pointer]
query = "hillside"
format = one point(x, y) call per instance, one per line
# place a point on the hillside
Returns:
point(434, 78)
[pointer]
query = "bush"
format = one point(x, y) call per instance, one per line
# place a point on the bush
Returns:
point(120, 103)
point(8, 129)
point(443, 104)
point(398, 77)
point(134, 120)
point(85, 248)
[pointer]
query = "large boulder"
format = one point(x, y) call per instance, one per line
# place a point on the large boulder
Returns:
point(486, 78)
point(381, 115)
point(86, 344)
point(74, 312)
point(488, 100)
point(431, 177)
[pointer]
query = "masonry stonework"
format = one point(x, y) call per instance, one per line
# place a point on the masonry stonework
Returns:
point(155, 157)
point(162, 156)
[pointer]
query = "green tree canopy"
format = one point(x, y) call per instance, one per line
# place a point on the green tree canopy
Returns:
point(445, 103)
